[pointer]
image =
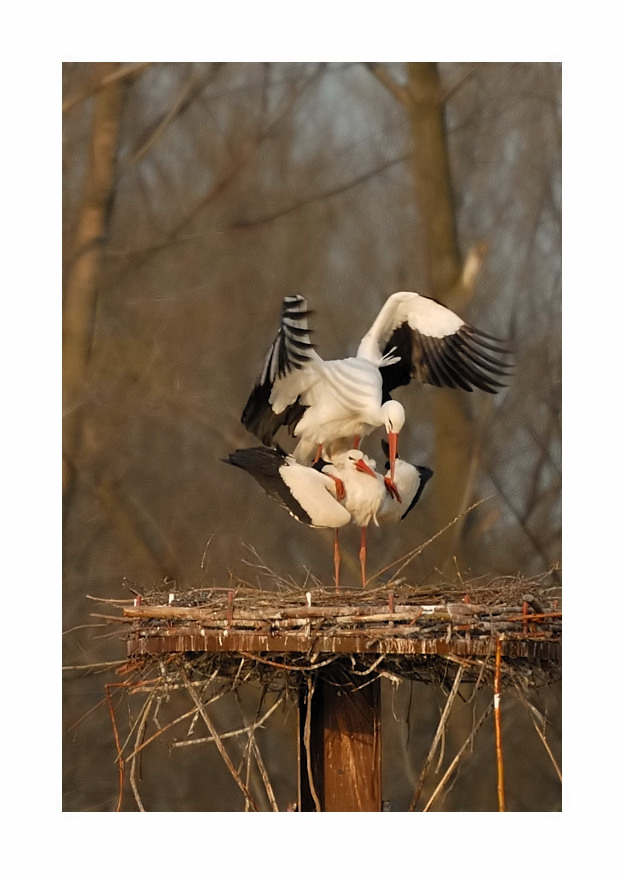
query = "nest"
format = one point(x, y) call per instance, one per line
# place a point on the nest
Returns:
point(203, 644)
point(402, 629)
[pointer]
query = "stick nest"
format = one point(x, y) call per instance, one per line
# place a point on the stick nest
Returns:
point(394, 630)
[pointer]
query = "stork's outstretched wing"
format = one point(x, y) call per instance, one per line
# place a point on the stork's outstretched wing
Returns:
point(284, 363)
point(415, 337)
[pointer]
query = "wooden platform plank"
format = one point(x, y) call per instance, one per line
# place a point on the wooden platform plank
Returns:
point(176, 639)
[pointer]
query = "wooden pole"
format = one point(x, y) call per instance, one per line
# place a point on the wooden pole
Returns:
point(340, 744)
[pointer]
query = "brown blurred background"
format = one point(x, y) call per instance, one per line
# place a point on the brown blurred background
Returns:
point(197, 195)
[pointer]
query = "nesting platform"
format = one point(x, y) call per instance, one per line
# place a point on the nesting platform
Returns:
point(393, 621)
point(328, 651)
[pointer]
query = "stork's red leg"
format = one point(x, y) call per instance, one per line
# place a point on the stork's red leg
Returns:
point(363, 556)
point(356, 441)
point(340, 489)
point(319, 452)
point(336, 559)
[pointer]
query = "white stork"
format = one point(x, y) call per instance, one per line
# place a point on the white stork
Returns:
point(323, 402)
point(369, 502)
point(363, 491)
point(313, 497)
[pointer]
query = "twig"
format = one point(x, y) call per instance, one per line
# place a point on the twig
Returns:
point(436, 740)
point(498, 728)
point(94, 666)
point(110, 600)
point(247, 756)
point(264, 774)
point(457, 759)
point(540, 731)
point(139, 740)
point(120, 761)
point(258, 757)
point(314, 667)
point(391, 85)
point(409, 556)
point(125, 71)
point(455, 86)
point(234, 733)
point(219, 743)
point(192, 712)
point(306, 740)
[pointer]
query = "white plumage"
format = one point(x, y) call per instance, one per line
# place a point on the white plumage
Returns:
point(307, 494)
point(364, 488)
point(371, 498)
point(322, 403)
point(345, 489)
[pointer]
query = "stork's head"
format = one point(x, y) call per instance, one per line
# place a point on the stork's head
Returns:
point(360, 462)
point(393, 419)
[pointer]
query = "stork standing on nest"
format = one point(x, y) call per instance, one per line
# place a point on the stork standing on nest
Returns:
point(367, 502)
point(314, 496)
point(325, 402)
point(363, 492)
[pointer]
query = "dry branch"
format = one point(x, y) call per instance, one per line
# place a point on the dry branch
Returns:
point(462, 751)
point(498, 731)
point(219, 744)
point(437, 737)
point(310, 680)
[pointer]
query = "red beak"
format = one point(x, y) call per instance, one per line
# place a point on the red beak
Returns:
point(361, 465)
point(392, 446)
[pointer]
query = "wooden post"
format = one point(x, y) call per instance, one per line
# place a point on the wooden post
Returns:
point(344, 744)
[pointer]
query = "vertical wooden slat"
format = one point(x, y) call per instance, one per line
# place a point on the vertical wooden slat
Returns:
point(345, 747)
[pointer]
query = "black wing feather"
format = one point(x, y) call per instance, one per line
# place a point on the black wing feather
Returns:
point(425, 475)
point(289, 351)
point(460, 360)
point(264, 465)
point(262, 422)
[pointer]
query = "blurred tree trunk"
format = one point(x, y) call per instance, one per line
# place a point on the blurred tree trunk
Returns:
point(454, 434)
point(454, 461)
point(81, 286)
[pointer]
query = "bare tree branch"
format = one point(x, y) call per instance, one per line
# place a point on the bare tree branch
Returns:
point(391, 85)
point(128, 71)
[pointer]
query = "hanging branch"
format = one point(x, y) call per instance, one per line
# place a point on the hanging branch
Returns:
point(120, 760)
point(219, 743)
point(436, 740)
point(498, 728)
point(235, 733)
point(192, 712)
point(263, 772)
point(139, 741)
point(306, 741)
point(536, 715)
point(458, 758)
point(257, 755)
